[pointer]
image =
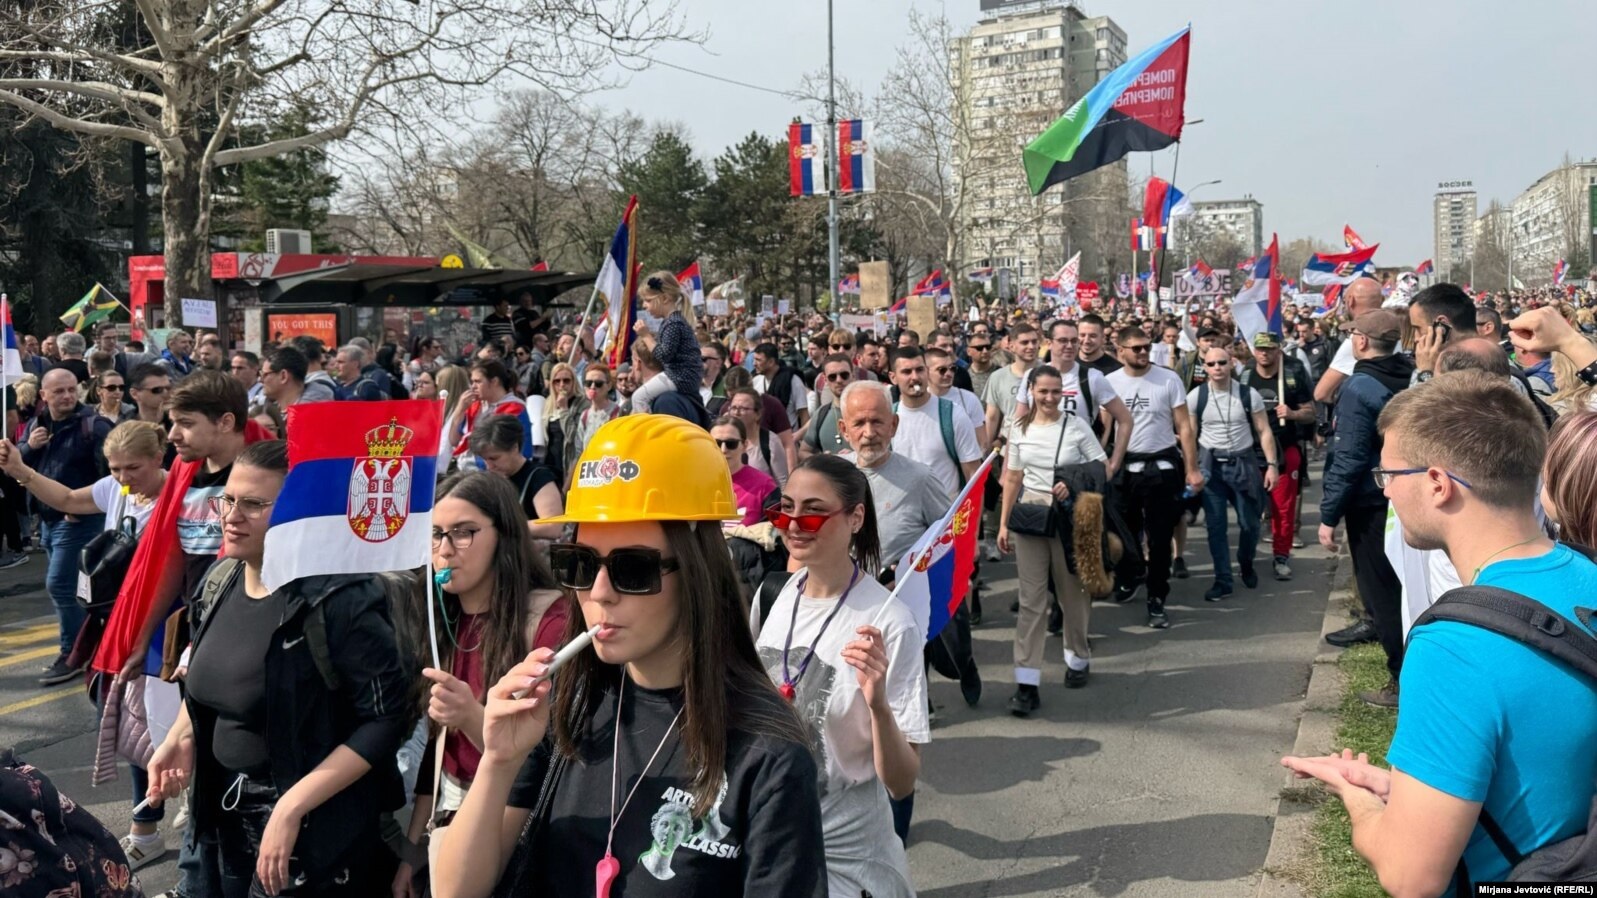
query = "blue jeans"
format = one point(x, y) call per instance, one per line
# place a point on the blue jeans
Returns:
point(62, 541)
point(1217, 496)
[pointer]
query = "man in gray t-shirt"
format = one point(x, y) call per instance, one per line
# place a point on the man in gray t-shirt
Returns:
point(908, 497)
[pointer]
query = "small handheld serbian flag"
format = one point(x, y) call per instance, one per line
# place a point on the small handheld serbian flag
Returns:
point(693, 282)
point(940, 564)
point(359, 494)
point(1560, 271)
point(11, 360)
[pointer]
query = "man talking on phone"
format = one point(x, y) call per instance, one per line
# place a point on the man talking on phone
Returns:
point(1438, 315)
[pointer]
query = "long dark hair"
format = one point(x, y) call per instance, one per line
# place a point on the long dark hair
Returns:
point(1031, 410)
point(725, 688)
point(853, 489)
point(515, 569)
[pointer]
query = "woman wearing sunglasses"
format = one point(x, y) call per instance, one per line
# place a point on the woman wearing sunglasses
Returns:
point(853, 670)
point(106, 393)
point(752, 487)
point(289, 764)
point(660, 761)
point(597, 383)
point(562, 414)
point(1042, 440)
point(499, 603)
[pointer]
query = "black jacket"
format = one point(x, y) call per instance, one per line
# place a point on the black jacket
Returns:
point(368, 713)
point(74, 457)
point(1356, 448)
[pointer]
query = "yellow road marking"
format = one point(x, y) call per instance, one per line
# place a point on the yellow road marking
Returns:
point(30, 655)
point(44, 699)
point(23, 637)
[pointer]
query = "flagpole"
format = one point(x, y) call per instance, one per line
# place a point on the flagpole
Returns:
point(959, 500)
point(1175, 169)
point(831, 152)
point(587, 310)
point(432, 583)
point(114, 299)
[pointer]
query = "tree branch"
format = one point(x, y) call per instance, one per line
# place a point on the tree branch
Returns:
point(80, 126)
point(163, 39)
point(98, 90)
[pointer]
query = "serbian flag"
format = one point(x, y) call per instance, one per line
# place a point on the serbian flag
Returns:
point(940, 564)
point(1425, 267)
point(849, 284)
point(856, 157)
point(1199, 273)
point(1247, 264)
point(11, 360)
point(1342, 268)
point(1049, 288)
point(1331, 299)
point(1559, 272)
point(693, 282)
point(1140, 106)
point(618, 287)
point(979, 275)
point(358, 498)
point(540, 265)
point(1257, 308)
point(1352, 238)
point(806, 159)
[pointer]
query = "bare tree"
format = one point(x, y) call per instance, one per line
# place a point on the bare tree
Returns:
point(1490, 262)
point(209, 65)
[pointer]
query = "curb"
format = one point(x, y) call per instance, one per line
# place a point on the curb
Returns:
point(1290, 842)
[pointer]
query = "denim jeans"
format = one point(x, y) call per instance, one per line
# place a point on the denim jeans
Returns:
point(1217, 496)
point(62, 541)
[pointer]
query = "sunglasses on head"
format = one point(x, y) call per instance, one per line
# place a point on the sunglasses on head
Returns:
point(808, 523)
point(634, 571)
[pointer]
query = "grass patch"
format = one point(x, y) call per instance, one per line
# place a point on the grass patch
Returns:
point(1337, 871)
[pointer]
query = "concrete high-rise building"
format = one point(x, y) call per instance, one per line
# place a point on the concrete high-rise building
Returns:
point(1017, 71)
point(1454, 212)
point(1241, 219)
point(1552, 220)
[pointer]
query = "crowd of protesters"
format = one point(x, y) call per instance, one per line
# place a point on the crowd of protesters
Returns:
point(376, 761)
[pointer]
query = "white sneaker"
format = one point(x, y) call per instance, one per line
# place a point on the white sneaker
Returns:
point(143, 851)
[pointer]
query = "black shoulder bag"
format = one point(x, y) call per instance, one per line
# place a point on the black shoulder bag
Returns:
point(1033, 519)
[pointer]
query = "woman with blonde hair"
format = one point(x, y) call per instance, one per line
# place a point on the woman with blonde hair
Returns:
point(597, 382)
point(562, 416)
point(675, 347)
point(454, 380)
point(1573, 393)
point(1569, 477)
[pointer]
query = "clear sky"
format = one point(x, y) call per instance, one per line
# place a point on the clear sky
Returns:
point(1324, 112)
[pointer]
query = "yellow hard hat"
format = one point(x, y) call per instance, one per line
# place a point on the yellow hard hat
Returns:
point(649, 468)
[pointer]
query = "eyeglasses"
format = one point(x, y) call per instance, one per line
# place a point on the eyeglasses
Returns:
point(844, 346)
point(116, 387)
point(942, 369)
point(729, 444)
point(836, 376)
point(1067, 342)
point(561, 380)
point(252, 509)
point(459, 538)
point(634, 571)
point(982, 348)
point(596, 385)
point(1384, 476)
point(808, 523)
point(1222, 363)
point(1141, 347)
point(739, 410)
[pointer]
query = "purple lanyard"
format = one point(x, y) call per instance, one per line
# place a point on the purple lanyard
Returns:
point(789, 687)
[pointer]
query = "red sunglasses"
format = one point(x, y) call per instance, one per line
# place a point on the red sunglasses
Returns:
point(808, 523)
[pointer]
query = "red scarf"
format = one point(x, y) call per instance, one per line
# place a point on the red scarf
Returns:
point(157, 560)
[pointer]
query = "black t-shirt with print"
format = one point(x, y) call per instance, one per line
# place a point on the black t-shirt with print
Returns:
point(762, 838)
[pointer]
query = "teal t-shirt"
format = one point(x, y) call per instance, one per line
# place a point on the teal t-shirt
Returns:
point(1485, 718)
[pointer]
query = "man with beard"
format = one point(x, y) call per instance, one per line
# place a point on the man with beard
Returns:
point(1093, 352)
point(1162, 445)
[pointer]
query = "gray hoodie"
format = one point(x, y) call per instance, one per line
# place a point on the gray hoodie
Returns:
point(319, 387)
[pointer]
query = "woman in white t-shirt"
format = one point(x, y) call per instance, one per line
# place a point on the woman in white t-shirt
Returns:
point(1041, 440)
point(849, 658)
point(133, 451)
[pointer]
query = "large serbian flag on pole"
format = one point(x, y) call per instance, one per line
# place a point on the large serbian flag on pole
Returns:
point(618, 287)
point(359, 494)
point(1140, 106)
point(806, 159)
point(1257, 307)
point(1339, 268)
point(940, 564)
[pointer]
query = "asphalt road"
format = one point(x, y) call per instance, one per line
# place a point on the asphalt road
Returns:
point(1158, 779)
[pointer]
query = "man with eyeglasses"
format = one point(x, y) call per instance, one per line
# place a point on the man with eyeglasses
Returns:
point(825, 433)
point(943, 339)
point(713, 355)
point(1148, 489)
point(979, 361)
point(1086, 392)
point(1350, 493)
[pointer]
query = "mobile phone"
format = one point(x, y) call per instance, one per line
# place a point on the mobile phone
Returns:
point(1440, 329)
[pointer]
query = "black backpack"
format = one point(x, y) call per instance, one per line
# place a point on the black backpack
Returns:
point(1548, 413)
point(1247, 411)
point(1531, 623)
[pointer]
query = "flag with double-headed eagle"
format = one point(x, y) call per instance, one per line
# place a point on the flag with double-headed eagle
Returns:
point(358, 498)
point(941, 562)
point(856, 157)
point(806, 159)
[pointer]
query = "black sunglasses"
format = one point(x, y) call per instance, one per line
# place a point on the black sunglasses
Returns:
point(729, 444)
point(633, 571)
point(839, 375)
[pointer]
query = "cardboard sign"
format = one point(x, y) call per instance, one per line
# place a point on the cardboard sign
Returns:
point(716, 306)
point(1088, 290)
point(875, 323)
point(199, 312)
point(767, 305)
point(875, 285)
point(922, 315)
point(783, 306)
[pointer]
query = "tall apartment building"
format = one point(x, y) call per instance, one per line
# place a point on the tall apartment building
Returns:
point(1552, 220)
point(1454, 213)
point(1242, 219)
point(1013, 75)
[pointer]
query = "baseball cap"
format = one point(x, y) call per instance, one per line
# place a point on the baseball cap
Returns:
point(1377, 324)
point(1266, 340)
